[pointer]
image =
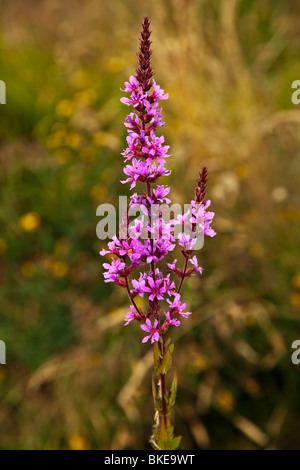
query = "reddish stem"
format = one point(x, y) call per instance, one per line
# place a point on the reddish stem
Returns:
point(129, 295)
point(183, 274)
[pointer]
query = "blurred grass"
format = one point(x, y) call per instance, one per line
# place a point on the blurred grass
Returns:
point(75, 378)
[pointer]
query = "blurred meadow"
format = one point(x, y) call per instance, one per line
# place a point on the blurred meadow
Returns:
point(75, 378)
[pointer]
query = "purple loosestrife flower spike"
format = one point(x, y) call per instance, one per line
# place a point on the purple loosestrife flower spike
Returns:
point(146, 241)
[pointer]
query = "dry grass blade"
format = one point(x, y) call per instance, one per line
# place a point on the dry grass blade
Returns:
point(250, 430)
point(126, 394)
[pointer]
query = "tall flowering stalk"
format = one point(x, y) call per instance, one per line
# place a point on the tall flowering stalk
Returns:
point(143, 243)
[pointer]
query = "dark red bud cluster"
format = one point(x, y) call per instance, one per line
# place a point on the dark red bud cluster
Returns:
point(200, 192)
point(144, 72)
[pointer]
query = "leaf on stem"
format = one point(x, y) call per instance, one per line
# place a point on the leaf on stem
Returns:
point(175, 442)
point(154, 393)
point(156, 355)
point(166, 362)
point(172, 393)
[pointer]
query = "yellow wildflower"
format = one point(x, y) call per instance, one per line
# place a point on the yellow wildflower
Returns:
point(78, 442)
point(55, 140)
point(225, 400)
point(73, 139)
point(30, 221)
point(200, 363)
point(63, 155)
point(65, 108)
point(59, 269)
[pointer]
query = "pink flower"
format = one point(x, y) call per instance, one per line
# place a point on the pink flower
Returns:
point(154, 334)
point(151, 109)
point(143, 171)
point(194, 262)
point(154, 149)
point(134, 101)
point(177, 308)
point(169, 285)
point(113, 269)
point(160, 194)
point(132, 85)
point(158, 92)
point(186, 241)
point(181, 219)
point(174, 321)
point(137, 229)
point(130, 315)
point(172, 266)
point(132, 121)
point(156, 288)
point(202, 218)
point(139, 286)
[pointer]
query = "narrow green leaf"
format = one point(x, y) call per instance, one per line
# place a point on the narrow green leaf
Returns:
point(166, 363)
point(156, 355)
point(170, 429)
point(154, 392)
point(173, 391)
point(175, 442)
point(163, 441)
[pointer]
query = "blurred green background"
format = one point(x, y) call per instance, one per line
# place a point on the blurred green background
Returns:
point(75, 378)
